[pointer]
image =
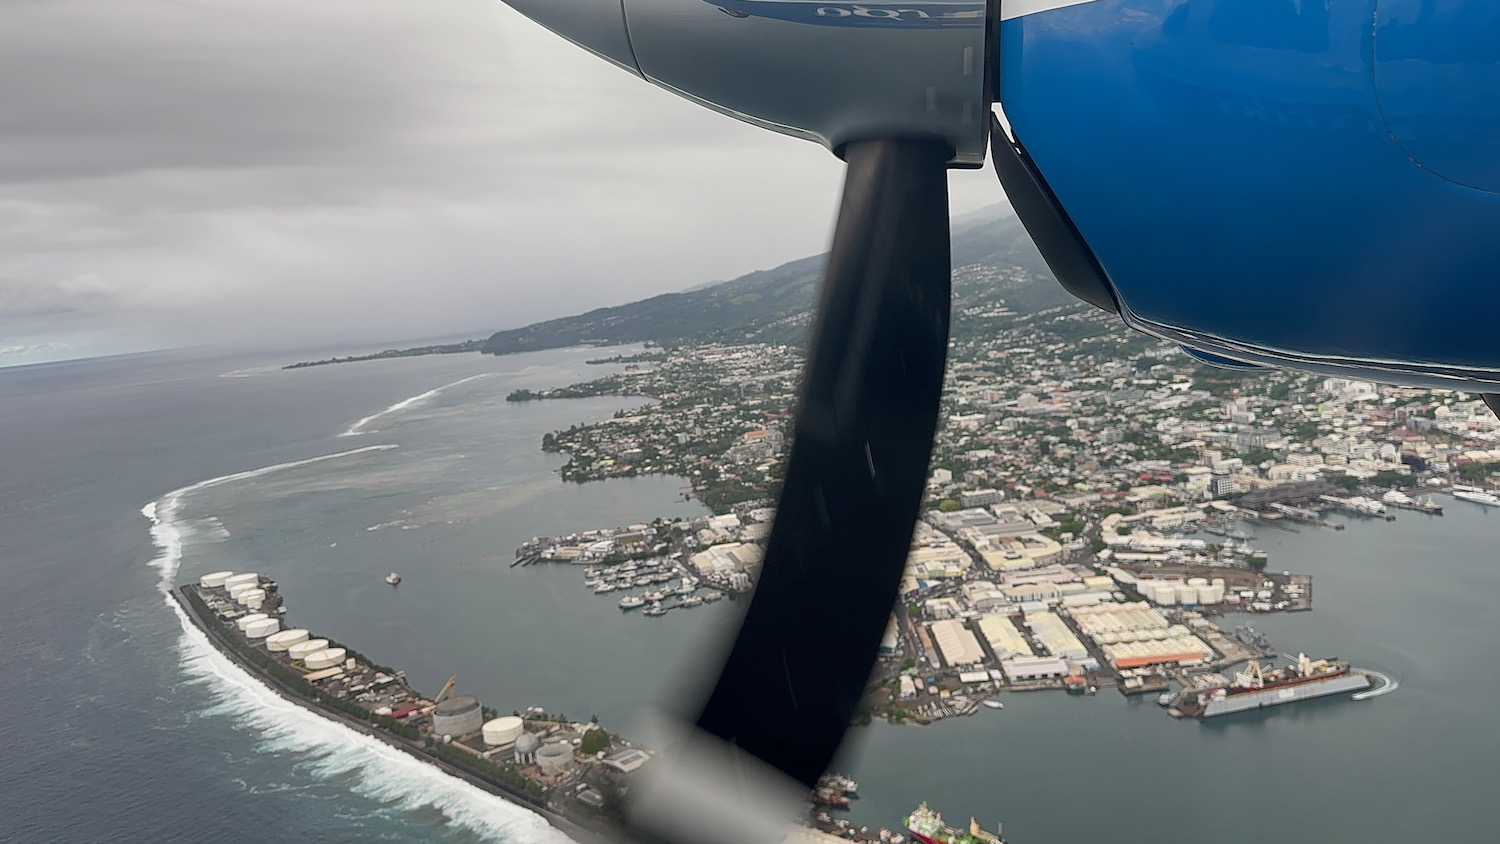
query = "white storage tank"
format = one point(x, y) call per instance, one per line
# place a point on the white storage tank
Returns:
point(1211, 594)
point(285, 639)
point(502, 731)
point(237, 579)
point(251, 597)
point(240, 588)
point(1197, 581)
point(1164, 593)
point(302, 650)
point(244, 621)
point(261, 629)
point(457, 716)
point(326, 658)
point(1187, 594)
point(214, 579)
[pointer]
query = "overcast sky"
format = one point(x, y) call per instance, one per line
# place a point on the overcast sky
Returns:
point(175, 172)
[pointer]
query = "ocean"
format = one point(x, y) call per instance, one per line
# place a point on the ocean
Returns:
point(122, 477)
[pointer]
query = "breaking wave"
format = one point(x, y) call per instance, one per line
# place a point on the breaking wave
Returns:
point(332, 751)
point(358, 427)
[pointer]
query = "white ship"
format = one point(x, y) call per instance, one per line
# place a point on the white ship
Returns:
point(1477, 496)
point(630, 602)
point(393, 579)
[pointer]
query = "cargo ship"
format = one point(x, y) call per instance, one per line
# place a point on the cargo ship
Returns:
point(926, 827)
point(1256, 687)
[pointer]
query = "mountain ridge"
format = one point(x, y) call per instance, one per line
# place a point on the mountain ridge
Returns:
point(993, 259)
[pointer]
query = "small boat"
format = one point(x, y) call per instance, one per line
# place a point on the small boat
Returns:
point(829, 797)
point(713, 595)
point(994, 704)
point(1164, 699)
point(630, 602)
point(653, 597)
point(393, 579)
point(603, 588)
point(691, 602)
point(656, 610)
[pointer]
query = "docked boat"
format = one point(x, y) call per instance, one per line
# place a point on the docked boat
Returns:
point(1164, 699)
point(630, 602)
point(831, 798)
point(713, 595)
point(1478, 496)
point(927, 827)
point(691, 601)
point(994, 704)
point(1256, 687)
point(838, 783)
point(393, 579)
point(653, 597)
point(656, 610)
point(687, 587)
point(603, 588)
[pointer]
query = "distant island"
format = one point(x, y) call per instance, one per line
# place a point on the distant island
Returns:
point(419, 351)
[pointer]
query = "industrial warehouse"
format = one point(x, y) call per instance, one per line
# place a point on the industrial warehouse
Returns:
point(995, 618)
point(573, 773)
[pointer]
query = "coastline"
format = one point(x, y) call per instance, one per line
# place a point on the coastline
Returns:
point(565, 825)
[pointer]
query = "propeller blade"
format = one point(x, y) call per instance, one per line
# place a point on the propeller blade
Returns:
point(858, 466)
point(867, 413)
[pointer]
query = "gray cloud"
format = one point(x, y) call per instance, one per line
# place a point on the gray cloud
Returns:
point(217, 170)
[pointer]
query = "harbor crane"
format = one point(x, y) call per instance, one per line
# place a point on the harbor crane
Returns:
point(447, 690)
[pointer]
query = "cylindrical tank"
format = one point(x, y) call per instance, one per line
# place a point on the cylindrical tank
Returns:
point(285, 639)
point(245, 621)
point(1187, 594)
point(1197, 581)
point(553, 759)
point(302, 650)
point(240, 588)
point(245, 577)
point(326, 658)
point(1211, 594)
point(208, 581)
point(251, 596)
point(1164, 593)
point(261, 629)
point(502, 731)
point(457, 716)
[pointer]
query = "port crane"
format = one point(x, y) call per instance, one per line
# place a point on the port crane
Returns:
point(447, 690)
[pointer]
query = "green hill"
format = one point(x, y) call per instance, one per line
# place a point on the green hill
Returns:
point(994, 263)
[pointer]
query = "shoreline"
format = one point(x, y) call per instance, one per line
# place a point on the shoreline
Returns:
point(565, 825)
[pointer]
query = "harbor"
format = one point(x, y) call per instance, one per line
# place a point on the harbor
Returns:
point(572, 773)
point(575, 774)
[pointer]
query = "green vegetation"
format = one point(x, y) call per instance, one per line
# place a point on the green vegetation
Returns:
point(594, 740)
point(1390, 477)
point(642, 357)
point(1476, 472)
point(417, 351)
point(514, 781)
point(775, 306)
point(948, 505)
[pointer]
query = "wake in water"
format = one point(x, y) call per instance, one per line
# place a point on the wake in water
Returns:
point(1387, 685)
point(388, 775)
point(358, 428)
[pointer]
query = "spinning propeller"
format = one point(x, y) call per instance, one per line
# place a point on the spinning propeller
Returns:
point(1292, 183)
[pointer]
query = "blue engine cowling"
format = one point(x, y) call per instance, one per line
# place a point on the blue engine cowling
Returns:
point(1304, 183)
